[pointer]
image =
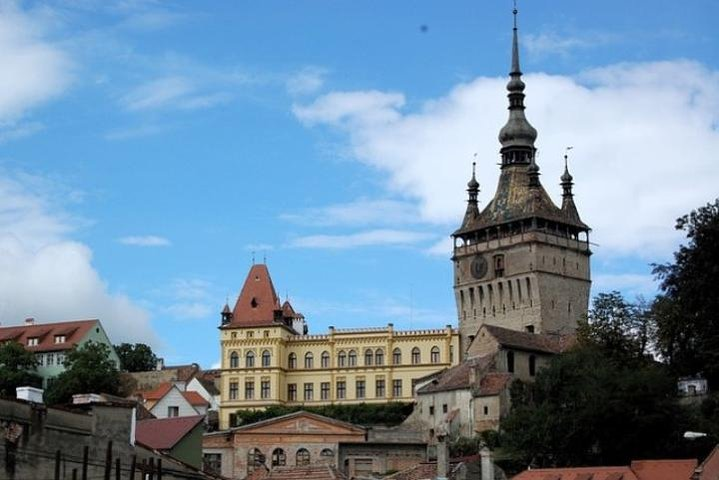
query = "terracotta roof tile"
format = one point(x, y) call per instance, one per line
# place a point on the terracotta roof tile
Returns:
point(664, 469)
point(538, 342)
point(309, 472)
point(493, 383)
point(195, 399)
point(582, 473)
point(158, 392)
point(74, 332)
point(257, 301)
point(424, 471)
point(165, 433)
point(457, 377)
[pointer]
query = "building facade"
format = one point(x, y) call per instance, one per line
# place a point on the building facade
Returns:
point(51, 341)
point(269, 359)
point(521, 262)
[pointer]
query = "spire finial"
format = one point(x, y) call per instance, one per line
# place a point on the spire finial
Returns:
point(515, 45)
point(566, 178)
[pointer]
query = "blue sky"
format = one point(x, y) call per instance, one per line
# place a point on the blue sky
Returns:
point(148, 148)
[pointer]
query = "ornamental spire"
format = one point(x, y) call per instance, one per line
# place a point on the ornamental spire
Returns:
point(518, 135)
point(472, 212)
point(566, 178)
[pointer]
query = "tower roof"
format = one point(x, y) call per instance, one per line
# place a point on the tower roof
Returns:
point(258, 299)
point(520, 195)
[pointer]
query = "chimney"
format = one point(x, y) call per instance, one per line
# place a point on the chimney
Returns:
point(29, 394)
point(160, 365)
point(485, 455)
point(442, 457)
point(29, 321)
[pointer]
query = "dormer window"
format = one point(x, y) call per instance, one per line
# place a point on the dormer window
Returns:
point(32, 341)
point(59, 338)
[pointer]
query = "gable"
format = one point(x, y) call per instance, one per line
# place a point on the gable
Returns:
point(302, 423)
point(483, 344)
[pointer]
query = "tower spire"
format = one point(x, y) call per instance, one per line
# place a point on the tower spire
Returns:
point(566, 178)
point(518, 135)
point(472, 212)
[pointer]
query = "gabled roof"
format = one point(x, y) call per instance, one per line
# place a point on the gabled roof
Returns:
point(583, 473)
point(74, 331)
point(425, 471)
point(537, 342)
point(195, 399)
point(663, 469)
point(257, 301)
point(457, 377)
point(277, 421)
point(165, 433)
point(309, 472)
point(159, 392)
point(493, 383)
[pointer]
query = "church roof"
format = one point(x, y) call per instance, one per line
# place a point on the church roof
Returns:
point(257, 301)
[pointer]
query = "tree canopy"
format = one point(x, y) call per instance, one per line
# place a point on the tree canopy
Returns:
point(137, 357)
point(686, 312)
point(389, 414)
point(89, 369)
point(17, 369)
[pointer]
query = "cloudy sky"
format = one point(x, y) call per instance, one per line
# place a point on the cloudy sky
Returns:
point(147, 149)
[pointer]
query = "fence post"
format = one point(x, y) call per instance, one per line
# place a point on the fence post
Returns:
point(117, 468)
point(57, 464)
point(133, 464)
point(85, 453)
point(159, 469)
point(108, 460)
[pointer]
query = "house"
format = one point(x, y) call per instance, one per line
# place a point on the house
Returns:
point(97, 435)
point(637, 470)
point(206, 388)
point(50, 342)
point(167, 400)
point(178, 437)
point(269, 359)
point(297, 439)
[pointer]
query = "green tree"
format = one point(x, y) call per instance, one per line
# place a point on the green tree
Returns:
point(589, 407)
point(136, 358)
point(89, 369)
point(17, 368)
point(617, 326)
point(686, 313)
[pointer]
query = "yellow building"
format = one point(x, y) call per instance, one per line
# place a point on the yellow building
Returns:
point(269, 359)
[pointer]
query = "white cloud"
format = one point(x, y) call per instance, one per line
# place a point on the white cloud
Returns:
point(361, 239)
point(554, 43)
point(171, 92)
point(645, 143)
point(145, 241)
point(360, 212)
point(307, 81)
point(631, 284)
point(34, 69)
point(45, 275)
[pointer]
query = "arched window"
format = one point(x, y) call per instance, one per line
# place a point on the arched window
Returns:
point(266, 358)
point(325, 361)
point(352, 357)
point(255, 458)
point(416, 357)
point(379, 357)
point(341, 359)
point(279, 458)
point(250, 359)
point(292, 360)
point(434, 355)
point(368, 355)
point(327, 455)
point(510, 361)
point(234, 360)
point(532, 365)
point(309, 360)
point(303, 457)
point(397, 356)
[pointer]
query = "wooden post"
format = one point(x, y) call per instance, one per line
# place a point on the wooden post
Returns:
point(117, 468)
point(108, 461)
point(133, 464)
point(74, 474)
point(159, 469)
point(57, 464)
point(85, 453)
point(152, 468)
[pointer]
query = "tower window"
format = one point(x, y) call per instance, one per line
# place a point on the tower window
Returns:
point(499, 265)
point(529, 328)
point(253, 302)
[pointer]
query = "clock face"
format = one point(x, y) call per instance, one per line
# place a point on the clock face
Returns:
point(478, 268)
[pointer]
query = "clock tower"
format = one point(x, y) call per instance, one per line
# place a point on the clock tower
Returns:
point(522, 262)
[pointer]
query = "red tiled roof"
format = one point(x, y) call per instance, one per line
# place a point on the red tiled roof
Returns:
point(309, 472)
point(664, 469)
point(165, 433)
point(158, 392)
point(582, 473)
point(493, 383)
point(457, 377)
point(257, 301)
point(538, 342)
point(74, 332)
point(424, 471)
point(195, 399)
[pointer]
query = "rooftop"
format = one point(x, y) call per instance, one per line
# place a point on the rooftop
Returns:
point(165, 433)
point(48, 334)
